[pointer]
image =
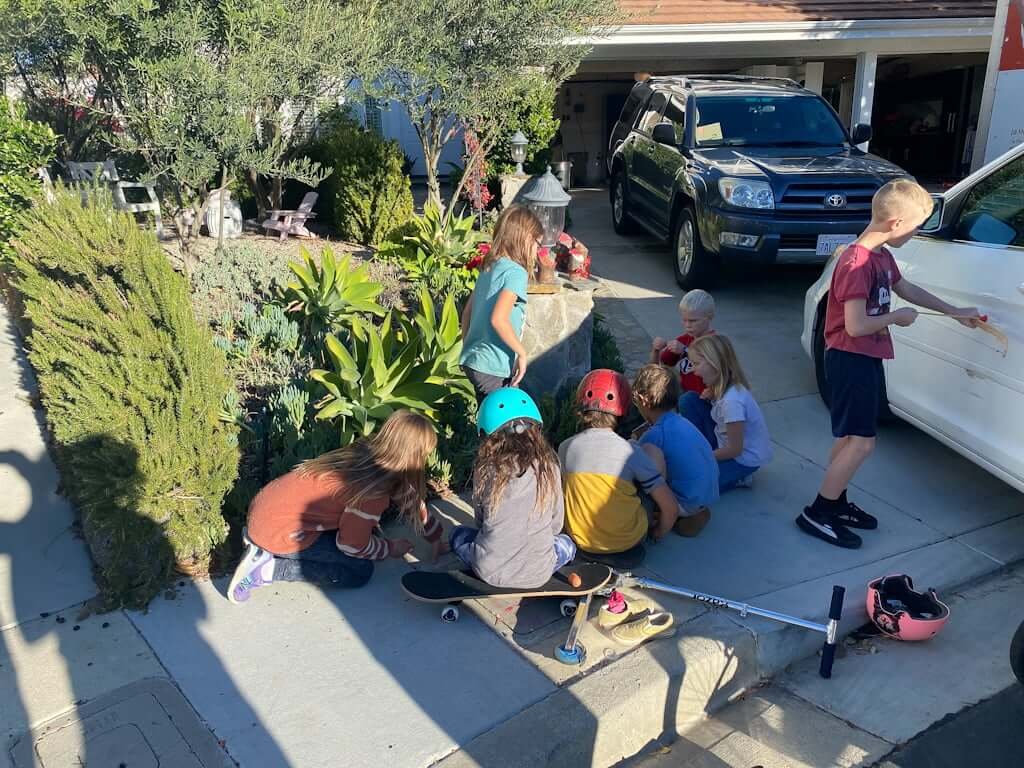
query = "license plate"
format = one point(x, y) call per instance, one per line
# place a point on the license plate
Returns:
point(827, 244)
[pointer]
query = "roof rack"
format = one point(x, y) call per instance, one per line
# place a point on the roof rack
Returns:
point(686, 80)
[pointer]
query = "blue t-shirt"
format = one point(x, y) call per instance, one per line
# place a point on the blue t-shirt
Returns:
point(692, 469)
point(482, 349)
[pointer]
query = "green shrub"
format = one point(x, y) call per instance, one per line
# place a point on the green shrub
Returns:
point(133, 389)
point(24, 147)
point(535, 117)
point(371, 193)
point(604, 351)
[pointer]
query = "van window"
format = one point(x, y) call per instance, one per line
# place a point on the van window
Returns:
point(635, 100)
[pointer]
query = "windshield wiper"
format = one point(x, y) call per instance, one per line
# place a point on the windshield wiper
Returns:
point(795, 144)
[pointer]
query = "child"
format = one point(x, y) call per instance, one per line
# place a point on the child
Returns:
point(601, 475)
point(739, 435)
point(492, 320)
point(517, 493)
point(857, 320)
point(697, 311)
point(679, 451)
point(343, 493)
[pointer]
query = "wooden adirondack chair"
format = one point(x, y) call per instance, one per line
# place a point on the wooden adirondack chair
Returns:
point(292, 222)
point(89, 174)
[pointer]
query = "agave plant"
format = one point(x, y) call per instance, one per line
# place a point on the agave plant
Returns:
point(330, 296)
point(405, 363)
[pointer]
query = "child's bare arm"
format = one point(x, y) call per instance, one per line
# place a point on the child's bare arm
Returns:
point(668, 510)
point(467, 312)
point(915, 294)
point(734, 432)
point(859, 323)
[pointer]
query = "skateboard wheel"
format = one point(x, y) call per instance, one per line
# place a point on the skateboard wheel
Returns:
point(450, 614)
point(568, 607)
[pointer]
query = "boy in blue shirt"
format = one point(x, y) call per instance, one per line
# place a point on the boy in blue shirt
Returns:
point(679, 451)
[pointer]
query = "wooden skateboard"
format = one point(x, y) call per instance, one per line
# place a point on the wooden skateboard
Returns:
point(452, 587)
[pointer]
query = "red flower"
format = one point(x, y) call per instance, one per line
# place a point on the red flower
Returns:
point(483, 249)
point(476, 262)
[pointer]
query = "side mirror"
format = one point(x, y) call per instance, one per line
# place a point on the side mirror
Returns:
point(934, 222)
point(861, 133)
point(665, 133)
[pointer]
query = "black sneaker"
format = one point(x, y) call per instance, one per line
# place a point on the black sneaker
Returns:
point(827, 528)
point(853, 516)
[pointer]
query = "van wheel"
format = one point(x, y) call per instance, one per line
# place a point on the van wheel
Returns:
point(885, 416)
point(693, 265)
point(622, 222)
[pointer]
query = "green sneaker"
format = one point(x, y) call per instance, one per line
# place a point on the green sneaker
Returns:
point(658, 624)
point(635, 607)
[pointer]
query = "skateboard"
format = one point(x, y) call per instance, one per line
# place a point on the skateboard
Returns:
point(452, 587)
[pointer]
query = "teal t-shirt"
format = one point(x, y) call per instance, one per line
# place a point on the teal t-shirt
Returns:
point(482, 349)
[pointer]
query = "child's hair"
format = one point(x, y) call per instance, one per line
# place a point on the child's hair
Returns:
point(510, 452)
point(657, 387)
point(597, 420)
point(515, 237)
point(389, 463)
point(900, 197)
point(699, 302)
point(720, 354)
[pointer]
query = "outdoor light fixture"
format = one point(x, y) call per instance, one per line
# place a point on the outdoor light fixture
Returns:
point(548, 201)
point(519, 144)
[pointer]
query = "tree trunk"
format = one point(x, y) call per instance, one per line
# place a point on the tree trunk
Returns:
point(277, 193)
point(263, 201)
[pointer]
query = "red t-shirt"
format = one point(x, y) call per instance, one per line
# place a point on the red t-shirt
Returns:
point(861, 274)
point(688, 380)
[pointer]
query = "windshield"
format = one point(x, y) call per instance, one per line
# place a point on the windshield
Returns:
point(766, 121)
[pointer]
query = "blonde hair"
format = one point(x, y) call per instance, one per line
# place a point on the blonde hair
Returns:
point(901, 197)
point(515, 237)
point(656, 387)
point(720, 354)
point(390, 463)
point(699, 302)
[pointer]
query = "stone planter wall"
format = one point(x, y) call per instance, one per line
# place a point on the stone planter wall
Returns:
point(557, 335)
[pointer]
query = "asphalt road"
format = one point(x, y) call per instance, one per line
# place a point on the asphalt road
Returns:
point(987, 735)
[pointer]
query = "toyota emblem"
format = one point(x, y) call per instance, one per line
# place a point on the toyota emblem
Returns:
point(835, 201)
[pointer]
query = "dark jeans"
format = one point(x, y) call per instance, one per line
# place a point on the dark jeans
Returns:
point(484, 383)
point(323, 563)
point(698, 412)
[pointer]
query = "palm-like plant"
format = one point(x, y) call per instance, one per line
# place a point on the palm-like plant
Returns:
point(330, 296)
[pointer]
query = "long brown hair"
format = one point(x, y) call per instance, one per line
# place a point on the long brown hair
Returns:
point(515, 237)
point(389, 463)
point(509, 453)
point(720, 355)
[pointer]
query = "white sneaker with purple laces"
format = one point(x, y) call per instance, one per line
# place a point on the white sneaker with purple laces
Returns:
point(255, 569)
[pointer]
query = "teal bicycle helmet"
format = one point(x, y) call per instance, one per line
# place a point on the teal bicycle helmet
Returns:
point(505, 405)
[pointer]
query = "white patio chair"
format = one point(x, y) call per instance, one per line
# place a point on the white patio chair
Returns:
point(292, 222)
point(89, 174)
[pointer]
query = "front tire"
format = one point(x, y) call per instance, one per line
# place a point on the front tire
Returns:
point(694, 267)
point(621, 220)
point(1017, 653)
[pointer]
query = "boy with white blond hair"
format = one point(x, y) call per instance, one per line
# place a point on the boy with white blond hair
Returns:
point(697, 311)
point(857, 339)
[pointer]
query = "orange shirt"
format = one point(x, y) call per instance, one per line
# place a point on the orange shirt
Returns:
point(291, 512)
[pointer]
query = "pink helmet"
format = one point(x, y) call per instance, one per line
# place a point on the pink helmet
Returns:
point(900, 612)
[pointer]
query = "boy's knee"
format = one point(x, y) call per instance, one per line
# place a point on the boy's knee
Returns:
point(864, 446)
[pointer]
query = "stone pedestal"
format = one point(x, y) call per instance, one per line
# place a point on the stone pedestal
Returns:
point(511, 186)
point(557, 336)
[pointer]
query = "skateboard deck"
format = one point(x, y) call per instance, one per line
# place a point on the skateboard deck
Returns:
point(454, 586)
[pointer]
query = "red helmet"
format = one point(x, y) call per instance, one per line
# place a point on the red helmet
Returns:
point(604, 390)
point(902, 613)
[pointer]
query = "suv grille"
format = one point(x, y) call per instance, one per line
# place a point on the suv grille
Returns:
point(853, 200)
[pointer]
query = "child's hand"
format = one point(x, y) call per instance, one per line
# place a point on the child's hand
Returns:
point(969, 316)
point(399, 547)
point(518, 370)
point(675, 347)
point(706, 394)
point(438, 549)
point(658, 344)
point(904, 317)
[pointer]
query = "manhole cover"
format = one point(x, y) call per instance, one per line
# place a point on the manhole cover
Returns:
point(148, 724)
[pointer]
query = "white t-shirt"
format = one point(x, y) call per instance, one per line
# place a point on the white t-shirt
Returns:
point(737, 404)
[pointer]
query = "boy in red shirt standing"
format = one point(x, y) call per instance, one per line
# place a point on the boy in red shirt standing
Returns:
point(697, 311)
point(857, 339)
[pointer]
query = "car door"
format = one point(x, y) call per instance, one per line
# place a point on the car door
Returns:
point(643, 173)
point(955, 380)
point(665, 162)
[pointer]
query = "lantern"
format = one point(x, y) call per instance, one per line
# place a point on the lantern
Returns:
point(548, 201)
point(519, 144)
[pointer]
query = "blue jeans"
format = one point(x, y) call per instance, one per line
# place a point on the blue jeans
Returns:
point(463, 536)
point(323, 563)
point(698, 413)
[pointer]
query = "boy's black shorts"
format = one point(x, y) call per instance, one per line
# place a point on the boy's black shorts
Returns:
point(855, 386)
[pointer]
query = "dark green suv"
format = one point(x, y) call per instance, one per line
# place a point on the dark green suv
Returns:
point(747, 169)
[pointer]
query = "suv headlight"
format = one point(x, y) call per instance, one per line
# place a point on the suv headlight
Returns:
point(745, 193)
